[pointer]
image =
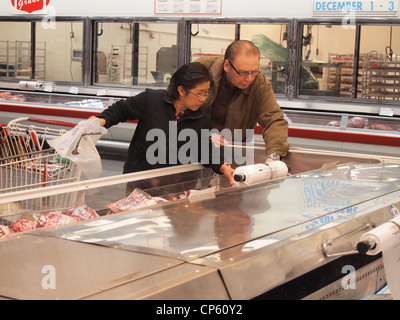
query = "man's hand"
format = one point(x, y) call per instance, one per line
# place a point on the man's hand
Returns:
point(218, 140)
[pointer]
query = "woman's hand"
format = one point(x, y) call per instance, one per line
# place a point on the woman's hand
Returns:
point(101, 120)
point(227, 171)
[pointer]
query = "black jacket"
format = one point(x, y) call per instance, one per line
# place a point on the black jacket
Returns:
point(155, 110)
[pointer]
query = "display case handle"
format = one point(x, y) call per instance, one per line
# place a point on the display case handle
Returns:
point(327, 245)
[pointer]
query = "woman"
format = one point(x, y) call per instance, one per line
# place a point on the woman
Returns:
point(170, 112)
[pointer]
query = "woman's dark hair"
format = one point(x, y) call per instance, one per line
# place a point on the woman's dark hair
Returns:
point(188, 76)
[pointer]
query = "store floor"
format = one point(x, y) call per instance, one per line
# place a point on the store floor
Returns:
point(111, 167)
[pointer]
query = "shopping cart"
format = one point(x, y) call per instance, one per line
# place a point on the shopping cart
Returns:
point(28, 162)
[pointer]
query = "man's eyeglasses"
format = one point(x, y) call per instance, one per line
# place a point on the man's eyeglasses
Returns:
point(199, 96)
point(244, 73)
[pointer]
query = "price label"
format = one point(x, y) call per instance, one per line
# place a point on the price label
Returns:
point(74, 90)
point(48, 88)
point(386, 112)
point(102, 92)
point(357, 8)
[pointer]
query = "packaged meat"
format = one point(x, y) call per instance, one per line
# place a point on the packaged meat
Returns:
point(137, 199)
point(381, 127)
point(334, 123)
point(4, 232)
point(23, 224)
point(5, 95)
point(81, 213)
point(53, 218)
point(356, 122)
point(8, 96)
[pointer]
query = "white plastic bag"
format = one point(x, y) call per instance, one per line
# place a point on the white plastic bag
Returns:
point(79, 145)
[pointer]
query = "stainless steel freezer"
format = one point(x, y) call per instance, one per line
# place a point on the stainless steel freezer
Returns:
point(287, 238)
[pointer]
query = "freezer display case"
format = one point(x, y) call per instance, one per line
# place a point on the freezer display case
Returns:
point(71, 108)
point(338, 127)
point(285, 238)
point(346, 132)
point(50, 106)
point(364, 123)
point(45, 98)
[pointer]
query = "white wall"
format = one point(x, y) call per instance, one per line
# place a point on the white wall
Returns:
point(137, 8)
point(145, 8)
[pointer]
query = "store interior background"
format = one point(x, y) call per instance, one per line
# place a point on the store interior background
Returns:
point(327, 46)
point(112, 52)
point(62, 45)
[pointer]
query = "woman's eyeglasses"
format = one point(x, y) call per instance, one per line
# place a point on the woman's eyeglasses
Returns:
point(244, 74)
point(199, 96)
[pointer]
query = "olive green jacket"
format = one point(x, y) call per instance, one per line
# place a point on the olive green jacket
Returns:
point(255, 104)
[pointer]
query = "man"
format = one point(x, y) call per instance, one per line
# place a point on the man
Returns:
point(242, 96)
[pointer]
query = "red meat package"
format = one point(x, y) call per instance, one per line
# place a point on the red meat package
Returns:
point(381, 127)
point(53, 218)
point(356, 122)
point(81, 213)
point(23, 224)
point(137, 199)
point(4, 232)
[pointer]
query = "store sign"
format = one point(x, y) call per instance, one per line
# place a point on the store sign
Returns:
point(188, 7)
point(356, 8)
point(29, 6)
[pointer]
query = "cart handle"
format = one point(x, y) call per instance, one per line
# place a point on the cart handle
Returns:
point(54, 122)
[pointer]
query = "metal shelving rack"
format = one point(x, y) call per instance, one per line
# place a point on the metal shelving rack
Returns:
point(15, 59)
point(40, 60)
point(7, 58)
point(116, 68)
point(381, 79)
point(22, 59)
point(143, 67)
point(378, 78)
point(340, 77)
